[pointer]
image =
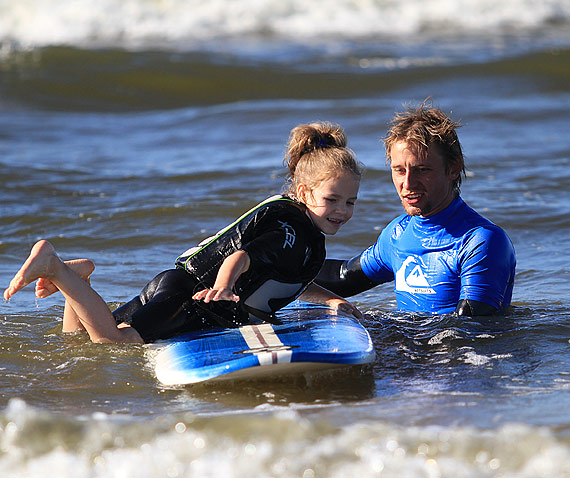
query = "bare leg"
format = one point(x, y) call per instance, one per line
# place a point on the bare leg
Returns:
point(44, 288)
point(82, 267)
point(91, 310)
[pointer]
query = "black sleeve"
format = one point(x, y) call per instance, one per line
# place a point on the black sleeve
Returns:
point(272, 250)
point(474, 308)
point(344, 277)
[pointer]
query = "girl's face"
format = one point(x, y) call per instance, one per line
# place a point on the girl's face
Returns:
point(331, 203)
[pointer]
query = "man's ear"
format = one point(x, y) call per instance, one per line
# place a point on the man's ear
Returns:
point(454, 171)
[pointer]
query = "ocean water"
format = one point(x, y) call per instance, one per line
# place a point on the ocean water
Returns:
point(130, 130)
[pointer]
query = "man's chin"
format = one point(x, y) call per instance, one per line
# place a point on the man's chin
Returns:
point(411, 210)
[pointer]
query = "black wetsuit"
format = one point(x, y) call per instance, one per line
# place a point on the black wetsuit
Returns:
point(286, 252)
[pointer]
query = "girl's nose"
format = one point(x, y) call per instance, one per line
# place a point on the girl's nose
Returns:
point(341, 207)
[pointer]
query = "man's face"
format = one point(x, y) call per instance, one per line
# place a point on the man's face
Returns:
point(424, 186)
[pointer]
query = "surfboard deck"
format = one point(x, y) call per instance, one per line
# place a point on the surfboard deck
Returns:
point(310, 338)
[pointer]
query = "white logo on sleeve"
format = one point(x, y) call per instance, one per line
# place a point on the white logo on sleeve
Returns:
point(414, 281)
point(289, 234)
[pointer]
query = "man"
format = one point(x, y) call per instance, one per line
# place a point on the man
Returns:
point(443, 256)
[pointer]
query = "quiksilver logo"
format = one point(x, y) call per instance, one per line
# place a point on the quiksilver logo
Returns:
point(411, 278)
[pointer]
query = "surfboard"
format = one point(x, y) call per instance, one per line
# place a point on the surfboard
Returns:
point(310, 338)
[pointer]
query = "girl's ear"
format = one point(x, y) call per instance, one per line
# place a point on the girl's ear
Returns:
point(302, 192)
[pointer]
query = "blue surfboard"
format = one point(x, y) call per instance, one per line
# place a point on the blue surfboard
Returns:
point(310, 338)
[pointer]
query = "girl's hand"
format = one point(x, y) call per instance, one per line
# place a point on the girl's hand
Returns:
point(233, 266)
point(341, 305)
point(223, 293)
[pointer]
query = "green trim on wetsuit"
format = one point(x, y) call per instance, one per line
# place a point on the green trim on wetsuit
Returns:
point(182, 259)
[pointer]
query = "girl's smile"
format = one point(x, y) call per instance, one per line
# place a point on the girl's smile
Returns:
point(331, 204)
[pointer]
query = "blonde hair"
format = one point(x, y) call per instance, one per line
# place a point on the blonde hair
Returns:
point(425, 126)
point(317, 152)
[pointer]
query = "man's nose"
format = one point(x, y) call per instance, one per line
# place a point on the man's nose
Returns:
point(410, 180)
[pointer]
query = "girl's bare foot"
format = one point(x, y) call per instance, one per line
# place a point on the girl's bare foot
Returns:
point(82, 267)
point(42, 262)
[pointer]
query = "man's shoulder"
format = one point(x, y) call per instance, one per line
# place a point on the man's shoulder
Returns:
point(395, 227)
point(462, 215)
point(472, 222)
point(481, 234)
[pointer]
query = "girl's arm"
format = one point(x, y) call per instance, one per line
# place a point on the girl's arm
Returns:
point(233, 266)
point(319, 295)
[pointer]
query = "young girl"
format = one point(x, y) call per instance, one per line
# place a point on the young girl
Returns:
point(264, 260)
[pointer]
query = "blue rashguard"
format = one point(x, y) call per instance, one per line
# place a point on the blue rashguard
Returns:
point(438, 260)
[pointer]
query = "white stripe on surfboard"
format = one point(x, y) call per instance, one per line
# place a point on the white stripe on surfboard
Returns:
point(265, 344)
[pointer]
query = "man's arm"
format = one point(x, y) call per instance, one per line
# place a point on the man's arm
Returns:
point(344, 277)
point(474, 308)
point(487, 273)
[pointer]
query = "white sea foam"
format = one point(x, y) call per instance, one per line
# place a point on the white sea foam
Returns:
point(188, 23)
point(272, 445)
